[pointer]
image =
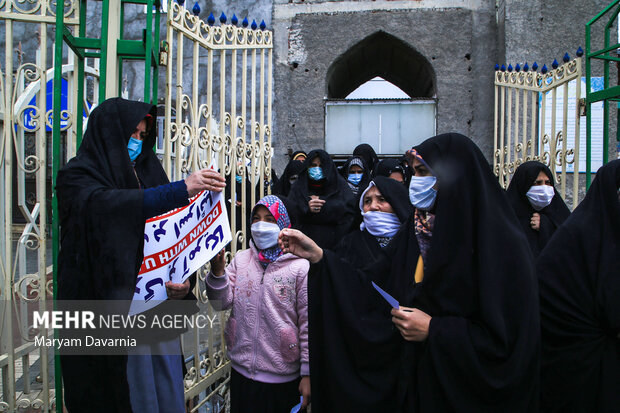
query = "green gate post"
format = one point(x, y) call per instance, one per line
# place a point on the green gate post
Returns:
point(110, 49)
point(609, 93)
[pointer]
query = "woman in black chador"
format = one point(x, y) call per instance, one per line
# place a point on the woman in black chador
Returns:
point(357, 357)
point(323, 201)
point(368, 154)
point(357, 175)
point(463, 275)
point(474, 313)
point(288, 178)
point(105, 194)
point(475, 310)
point(539, 207)
point(579, 277)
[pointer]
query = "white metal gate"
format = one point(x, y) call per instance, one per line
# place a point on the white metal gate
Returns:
point(218, 112)
point(538, 117)
point(26, 73)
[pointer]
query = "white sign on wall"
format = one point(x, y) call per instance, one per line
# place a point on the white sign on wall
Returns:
point(389, 126)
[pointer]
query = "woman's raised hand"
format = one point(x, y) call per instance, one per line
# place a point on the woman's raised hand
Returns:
point(297, 243)
point(204, 179)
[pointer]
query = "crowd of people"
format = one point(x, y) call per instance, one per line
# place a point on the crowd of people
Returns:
point(411, 284)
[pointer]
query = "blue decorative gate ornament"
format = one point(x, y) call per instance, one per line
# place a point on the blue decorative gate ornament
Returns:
point(29, 121)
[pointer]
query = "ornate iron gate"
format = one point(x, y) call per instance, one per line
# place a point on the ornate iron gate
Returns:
point(26, 77)
point(533, 122)
point(218, 112)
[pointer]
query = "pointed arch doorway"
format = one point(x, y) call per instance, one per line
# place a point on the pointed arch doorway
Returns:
point(381, 92)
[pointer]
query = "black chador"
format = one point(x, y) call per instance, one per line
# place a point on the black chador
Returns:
point(479, 287)
point(579, 277)
point(102, 234)
point(335, 218)
point(551, 216)
point(291, 172)
point(358, 359)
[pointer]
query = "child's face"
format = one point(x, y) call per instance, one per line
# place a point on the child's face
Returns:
point(262, 214)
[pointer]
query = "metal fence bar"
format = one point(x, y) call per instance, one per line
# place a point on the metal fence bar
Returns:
point(515, 142)
point(211, 125)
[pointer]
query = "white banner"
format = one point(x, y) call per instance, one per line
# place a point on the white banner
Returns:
point(178, 243)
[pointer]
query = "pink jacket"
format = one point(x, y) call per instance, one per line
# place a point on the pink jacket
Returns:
point(267, 332)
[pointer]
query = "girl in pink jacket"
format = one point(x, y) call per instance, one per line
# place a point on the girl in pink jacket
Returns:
point(267, 332)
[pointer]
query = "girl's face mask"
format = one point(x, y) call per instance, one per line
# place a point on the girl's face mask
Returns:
point(265, 234)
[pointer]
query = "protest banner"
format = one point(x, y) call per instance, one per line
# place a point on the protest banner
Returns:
point(178, 243)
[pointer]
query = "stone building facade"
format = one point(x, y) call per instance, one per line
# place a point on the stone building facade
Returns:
point(443, 50)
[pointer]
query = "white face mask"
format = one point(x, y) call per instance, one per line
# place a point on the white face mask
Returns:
point(380, 224)
point(421, 192)
point(265, 234)
point(540, 196)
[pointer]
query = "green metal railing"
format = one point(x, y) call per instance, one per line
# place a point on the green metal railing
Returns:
point(609, 93)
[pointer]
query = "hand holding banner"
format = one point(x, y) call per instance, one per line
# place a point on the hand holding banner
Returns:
point(178, 243)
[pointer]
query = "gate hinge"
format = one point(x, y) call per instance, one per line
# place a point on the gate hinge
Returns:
point(163, 53)
point(582, 107)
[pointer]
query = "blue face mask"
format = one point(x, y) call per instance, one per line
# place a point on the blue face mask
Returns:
point(134, 146)
point(315, 173)
point(421, 192)
point(238, 179)
point(355, 179)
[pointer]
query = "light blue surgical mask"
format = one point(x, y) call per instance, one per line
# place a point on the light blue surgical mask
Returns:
point(134, 146)
point(355, 179)
point(380, 224)
point(238, 179)
point(315, 173)
point(421, 192)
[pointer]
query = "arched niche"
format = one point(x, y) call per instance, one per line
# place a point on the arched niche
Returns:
point(381, 54)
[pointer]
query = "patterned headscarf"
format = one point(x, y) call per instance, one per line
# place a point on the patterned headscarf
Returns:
point(278, 210)
point(424, 220)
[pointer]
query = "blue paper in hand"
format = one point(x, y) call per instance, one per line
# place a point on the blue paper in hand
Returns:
point(297, 407)
point(391, 300)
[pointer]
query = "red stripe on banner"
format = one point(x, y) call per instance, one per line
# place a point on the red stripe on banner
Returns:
point(159, 259)
point(174, 211)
